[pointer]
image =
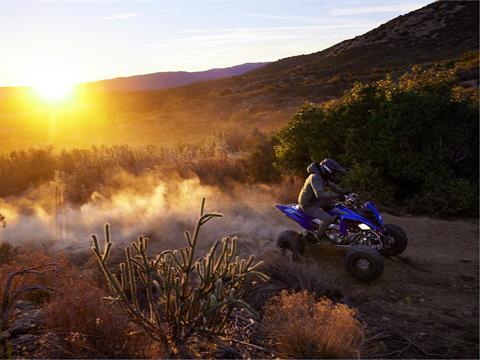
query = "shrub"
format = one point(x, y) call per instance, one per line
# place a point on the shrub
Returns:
point(78, 324)
point(25, 276)
point(285, 274)
point(304, 328)
point(8, 253)
point(23, 260)
point(401, 140)
point(88, 327)
point(259, 161)
point(80, 172)
point(176, 296)
point(217, 170)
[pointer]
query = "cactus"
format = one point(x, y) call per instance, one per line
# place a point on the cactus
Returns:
point(185, 296)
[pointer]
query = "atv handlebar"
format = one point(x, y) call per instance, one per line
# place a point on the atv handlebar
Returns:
point(350, 199)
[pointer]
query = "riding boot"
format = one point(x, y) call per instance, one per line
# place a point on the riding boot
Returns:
point(323, 227)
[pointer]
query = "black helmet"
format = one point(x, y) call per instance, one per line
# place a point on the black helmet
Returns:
point(330, 168)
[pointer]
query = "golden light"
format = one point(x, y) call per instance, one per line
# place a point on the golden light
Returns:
point(53, 82)
point(54, 92)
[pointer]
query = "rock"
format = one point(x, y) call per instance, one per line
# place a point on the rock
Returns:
point(384, 318)
point(26, 321)
point(467, 313)
point(24, 305)
point(24, 343)
point(465, 260)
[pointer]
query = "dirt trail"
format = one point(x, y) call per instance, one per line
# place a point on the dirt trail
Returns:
point(430, 293)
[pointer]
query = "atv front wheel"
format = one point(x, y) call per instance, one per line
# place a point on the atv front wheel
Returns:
point(398, 241)
point(292, 241)
point(364, 263)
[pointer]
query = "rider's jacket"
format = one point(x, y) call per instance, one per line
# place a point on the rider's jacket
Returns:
point(317, 190)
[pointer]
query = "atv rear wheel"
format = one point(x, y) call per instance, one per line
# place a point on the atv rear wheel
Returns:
point(292, 241)
point(364, 263)
point(398, 238)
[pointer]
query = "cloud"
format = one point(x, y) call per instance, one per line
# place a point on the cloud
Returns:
point(222, 37)
point(357, 10)
point(305, 19)
point(119, 16)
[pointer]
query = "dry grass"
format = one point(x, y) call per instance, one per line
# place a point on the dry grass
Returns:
point(302, 327)
point(217, 170)
point(77, 323)
point(19, 259)
point(286, 274)
point(87, 326)
point(8, 253)
point(84, 171)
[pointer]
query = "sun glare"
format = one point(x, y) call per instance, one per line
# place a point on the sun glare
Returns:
point(53, 82)
point(54, 92)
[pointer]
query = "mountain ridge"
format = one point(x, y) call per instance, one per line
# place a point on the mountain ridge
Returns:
point(442, 35)
point(267, 97)
point(168, 79)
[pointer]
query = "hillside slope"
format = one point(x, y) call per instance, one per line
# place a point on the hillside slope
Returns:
point(164, 80)
point(444, 32)
point(265, 98)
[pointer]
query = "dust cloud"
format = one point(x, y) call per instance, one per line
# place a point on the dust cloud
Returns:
point(148, 205)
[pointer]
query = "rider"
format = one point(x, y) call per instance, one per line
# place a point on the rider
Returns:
point(315, 195)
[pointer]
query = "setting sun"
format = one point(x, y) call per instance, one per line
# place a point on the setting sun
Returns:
point(53, 81)
point(239, 179)
point(54, 92)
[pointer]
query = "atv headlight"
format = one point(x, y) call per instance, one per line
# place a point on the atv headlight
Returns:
point(364, 226)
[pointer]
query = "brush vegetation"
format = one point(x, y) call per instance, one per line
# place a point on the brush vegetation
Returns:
point(411, 143)
point(179, 303)
point(306, 328)
point(185, 296)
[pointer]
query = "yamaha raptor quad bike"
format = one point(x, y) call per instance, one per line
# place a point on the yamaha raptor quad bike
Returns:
point(358, 227)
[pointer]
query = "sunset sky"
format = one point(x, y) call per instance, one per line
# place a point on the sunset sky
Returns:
point(84, 40)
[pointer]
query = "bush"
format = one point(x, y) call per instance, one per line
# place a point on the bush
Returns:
point(289, 275)
point(89, 327)
point(227, 155)
point(401, 141)
point(218, 170)
point(26, 259)
point(176, 296)
point(24, 276)
point(76, 322)
point(8, 253)
point(304, 328)
point(259, 161)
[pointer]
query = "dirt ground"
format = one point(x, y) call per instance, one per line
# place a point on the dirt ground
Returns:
point(429, 295)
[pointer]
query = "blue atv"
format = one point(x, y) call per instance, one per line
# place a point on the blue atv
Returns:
point(358, 227)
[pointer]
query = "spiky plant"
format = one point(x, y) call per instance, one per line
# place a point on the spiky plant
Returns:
point(185, 295)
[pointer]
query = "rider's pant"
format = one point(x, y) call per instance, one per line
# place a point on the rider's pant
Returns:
point(316, 211)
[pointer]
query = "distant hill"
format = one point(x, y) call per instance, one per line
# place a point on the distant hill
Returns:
point(443, 34)
point(164, 80)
